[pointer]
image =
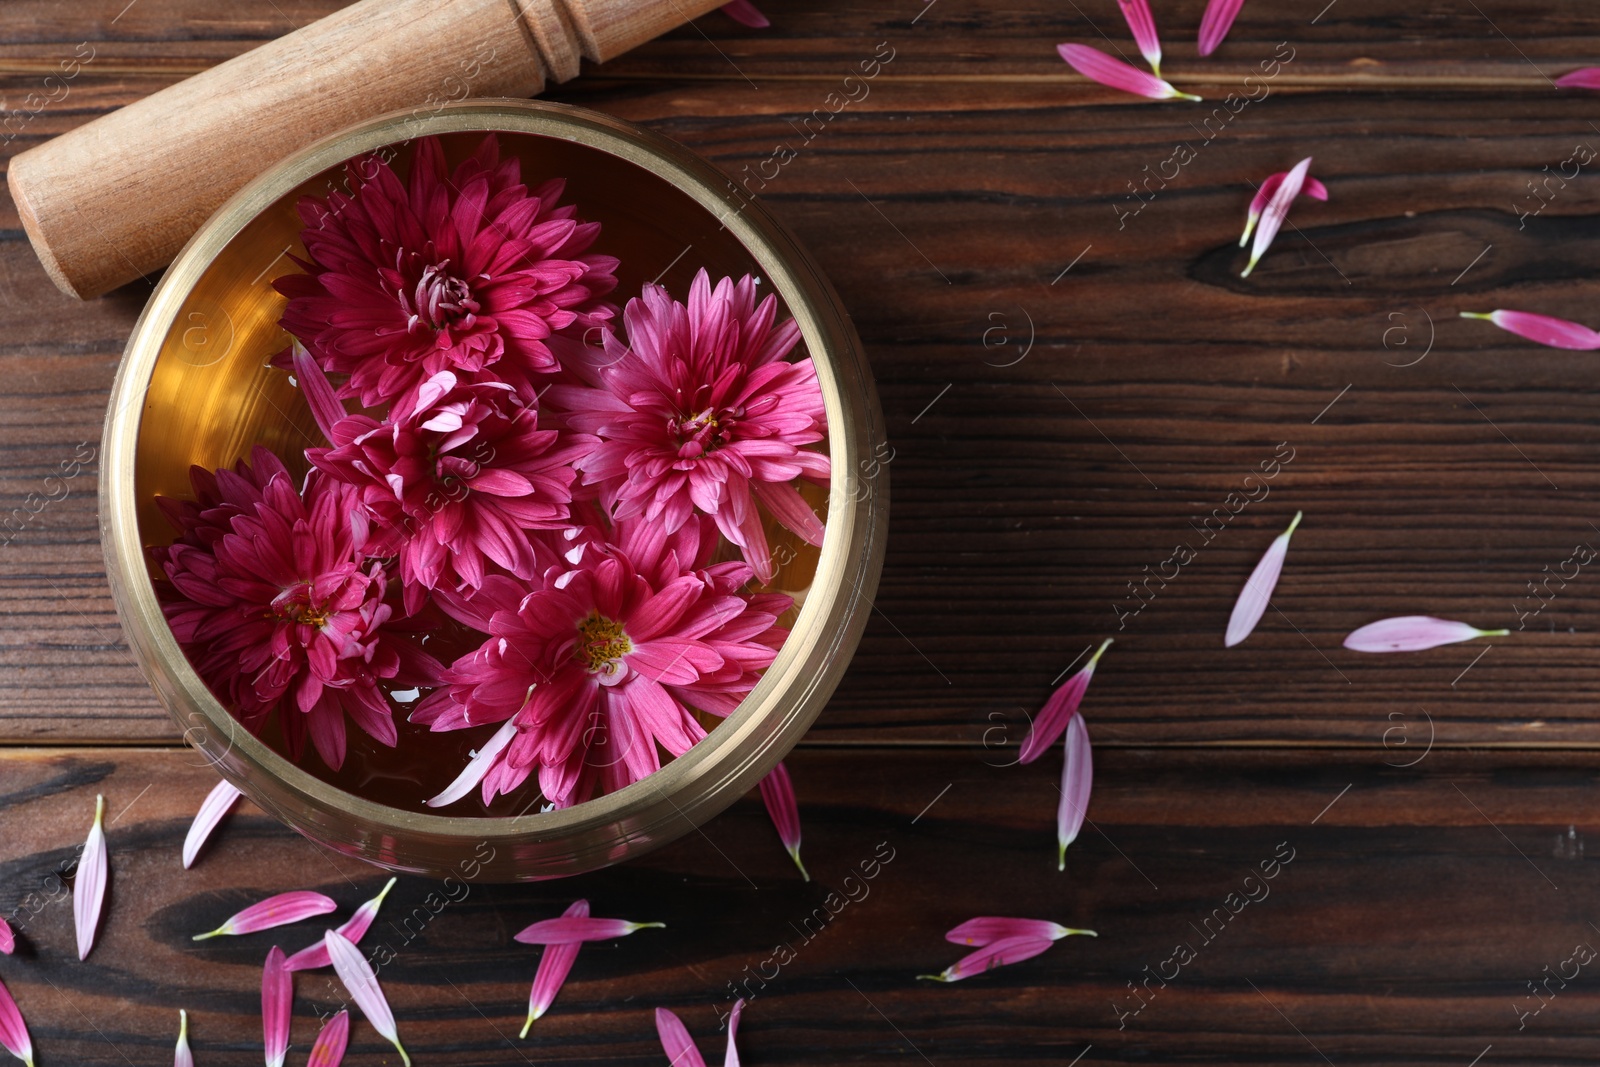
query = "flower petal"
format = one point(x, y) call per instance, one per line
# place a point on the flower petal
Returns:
point(1257, 591)
point(731, 1058)
point(277, 1005)
point(279, 910)
point(745, 14)
point(1107, 70)
point(1216, 22)
point(1077, 781)
point(554, 965)
point(1582, 78)
point(676, 1042)
point(314, 956)
point(477, 767)
point(13, 1030)
point(8, 940)
point(1143, 25)
point(1312, 188)
point(1542, 329)
point(1275, 212)
point(333, 1039)
point(1412, 633)
point(987, 929)
point(216, 804)
point(181, 1055)
point(357, 976)
point(997, 954)
point(569, 930)
point(777, 792)
point(320, 397)
point(89, 888)
point(1059, 710)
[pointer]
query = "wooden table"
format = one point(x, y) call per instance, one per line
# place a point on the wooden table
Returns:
point(1070, 387)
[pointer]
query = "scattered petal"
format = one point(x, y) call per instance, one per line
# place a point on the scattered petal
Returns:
point(1312, 188)
point(482, 762)
point(1143, 25)
point(1542, 329)
point(1412, 633)
point(314, 956)
point(1257, 591)
point(277, 1004)
point(89, 888)
point(987, 929)
point(777, 792)
point(181, 1056)
point(1109, 71)
point(358, 978)
point(1059, 710)
point(1276, 211)
point(676, 1042)
point(279, 910)
point(570, 929)
point(995, 954)
point(331, 1042)
point(731, 1059)
point(745, 14)
point(1077, 780)
point(554, 964)
point(1216, 22)
point(13, 1031)
point(8, 940)
point(1582, 78)
point(218, 802)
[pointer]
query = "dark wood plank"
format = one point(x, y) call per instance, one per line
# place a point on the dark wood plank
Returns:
point(1417, 906)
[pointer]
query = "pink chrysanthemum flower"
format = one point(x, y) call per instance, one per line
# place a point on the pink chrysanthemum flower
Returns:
point(596, 671)
point(453, 477)
point(700, 409)
point(452, 271)
point(278, 607)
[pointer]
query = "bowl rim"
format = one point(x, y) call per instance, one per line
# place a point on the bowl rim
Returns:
point(783, 703)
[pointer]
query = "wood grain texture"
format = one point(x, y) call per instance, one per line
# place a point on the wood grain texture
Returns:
point(1417, 905)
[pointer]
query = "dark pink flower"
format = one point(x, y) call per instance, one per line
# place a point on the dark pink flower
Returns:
point(594, 673)
point(452, 479)
point(700, 409)
point(286, 612)
point(452, 270)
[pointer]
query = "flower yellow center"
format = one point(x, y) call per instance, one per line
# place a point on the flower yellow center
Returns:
point(601, 644)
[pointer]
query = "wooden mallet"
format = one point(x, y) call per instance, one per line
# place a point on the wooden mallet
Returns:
point(117, 198)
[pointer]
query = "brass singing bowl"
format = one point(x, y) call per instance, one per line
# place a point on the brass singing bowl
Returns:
point(193, 388)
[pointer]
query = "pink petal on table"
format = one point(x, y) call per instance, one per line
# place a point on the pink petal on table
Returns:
point(216, 804)
point(1582, 78)
point(1276, 211)
point(481, 763)
point(745, 14)
point(1107, 70)
point(1059, 710)
point(320, 397)
point(358, 978)
point(181, 1056)
point(13, 1031)
point(554, 964)
point(1542, 329)
point(277, 1005)
point(987, 929)
point(1077, 781)
point(676, 1042)
point(731, 1058)
point(354, 929)
point(997, 954)
point(279, 910)
point(333, 1039)
point(567, 930)
point(1143, 25)
point(1312, 188)
point(777, 792)
point(89, 887)
point(1257, 591)
point(8, 940)
point(1412, 633)
point(1216, 22)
